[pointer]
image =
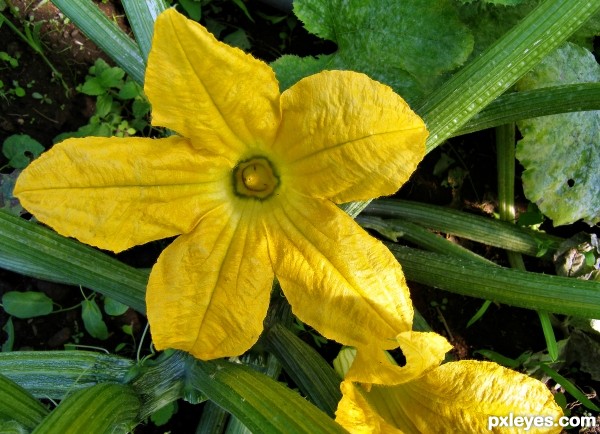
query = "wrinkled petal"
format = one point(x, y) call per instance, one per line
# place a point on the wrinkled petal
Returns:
point(209, 291)
point(356, 415)
point(116, 193)
point(459, 397)
point(347, 137)
point(422, 351)
point(218, 96)
point(337, 278)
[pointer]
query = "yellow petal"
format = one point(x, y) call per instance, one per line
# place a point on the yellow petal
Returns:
point(459, 397)
point(337, 278)
point(209, 291)
point(347, 137)
point(422, 351)
point(220, 97)
point(356, 415)
point(116, 193)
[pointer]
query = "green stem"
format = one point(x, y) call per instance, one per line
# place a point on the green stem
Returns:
point(141, 16)
point(33, 250)
point(505, 148)
point(516, 106)
point(306, 368)
point(35, 46)
point(500, 66)
point(106, 34)
point(260, 403)
point(481, 229)
point(504, 285)
point(396, 228)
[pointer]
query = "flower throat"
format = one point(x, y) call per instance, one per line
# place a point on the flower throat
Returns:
point(255, 178)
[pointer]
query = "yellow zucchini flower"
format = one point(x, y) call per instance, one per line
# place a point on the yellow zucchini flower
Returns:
point(250, 184)
point(466, 396)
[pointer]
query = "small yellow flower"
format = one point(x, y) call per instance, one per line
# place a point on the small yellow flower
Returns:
point(425, 397)
point(250, 185)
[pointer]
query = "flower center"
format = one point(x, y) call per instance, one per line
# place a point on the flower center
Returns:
point(255, 178)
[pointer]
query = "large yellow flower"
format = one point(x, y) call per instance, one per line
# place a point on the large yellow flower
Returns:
point(423, 396)
point(250, 185)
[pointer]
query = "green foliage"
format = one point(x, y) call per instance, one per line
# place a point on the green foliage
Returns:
point(497, 2)
point(559, 152)
point(26, 304)
point(409, 45)
point(121, 107)
point(20, 149)
point(192, 8)
point(9, 93)
point(162, 416)
point(114, 308)
point(92, 319)
point(12, 61)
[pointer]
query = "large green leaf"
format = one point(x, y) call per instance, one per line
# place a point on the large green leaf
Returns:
point(560, 152)
point(407, 44)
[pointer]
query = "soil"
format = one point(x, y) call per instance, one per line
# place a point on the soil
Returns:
point(507, 330)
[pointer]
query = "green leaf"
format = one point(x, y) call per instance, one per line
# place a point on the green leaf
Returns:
point(20, 149)
point(290, 68)
point(26, 304)
point(104, 104)
point(114, 308)
point(193, 8)
point(239, 39)
point(407, 44)
point(19, 405)
point(140, 108)
point(92, 320)
point(129, 90)
point(503, 2)
point(103, 408)
point(92, 86)
point(111, 77)
point(500, 359)
point(569, 387)
point(560, 152)
point(163, 415)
